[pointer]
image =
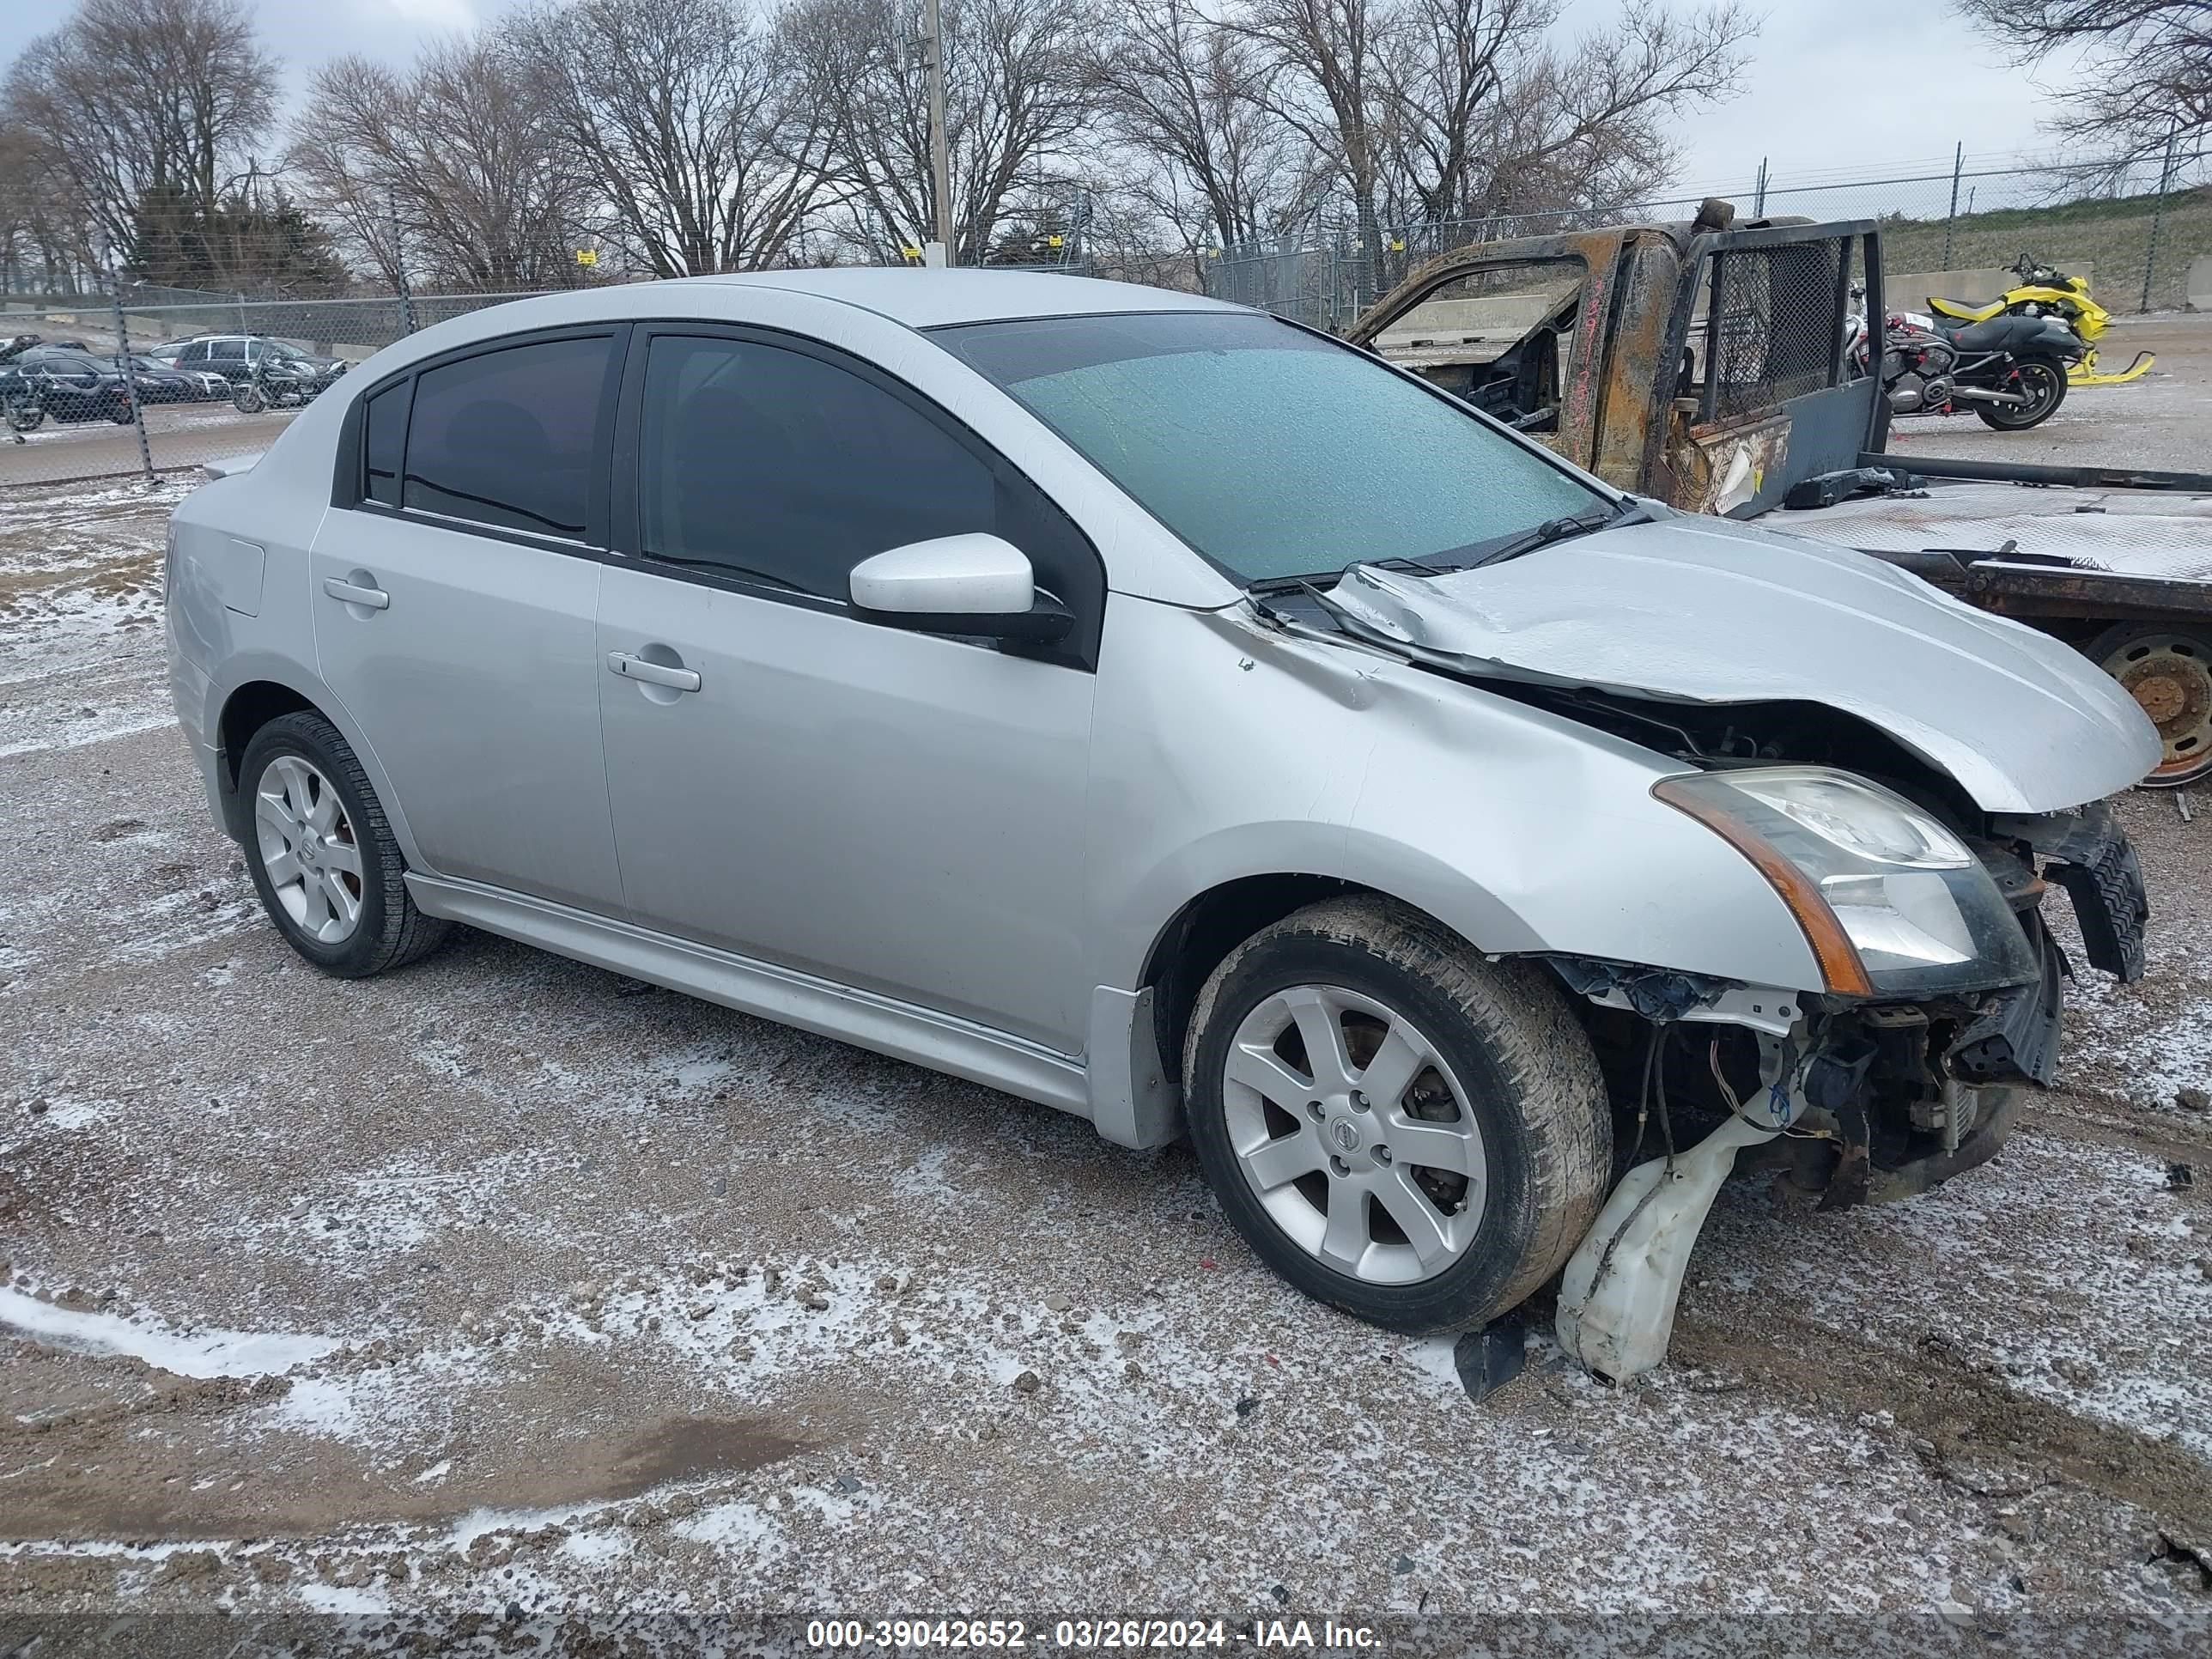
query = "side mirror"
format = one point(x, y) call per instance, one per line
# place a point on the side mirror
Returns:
point(974, 584)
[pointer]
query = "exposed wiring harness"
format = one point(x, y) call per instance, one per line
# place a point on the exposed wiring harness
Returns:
point(1777, 1101)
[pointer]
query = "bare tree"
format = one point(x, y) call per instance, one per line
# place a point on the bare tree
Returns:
point(2146, 65)
point(135, 102)
point(452, 166)
point(1325, 76)
point(1016, 97)
point(1183, 96)
point(1446, 109)
point(1490, 114)
point(692, 121)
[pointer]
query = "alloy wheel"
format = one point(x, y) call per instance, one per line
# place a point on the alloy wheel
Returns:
point(309, 850)
point(1354, 1135)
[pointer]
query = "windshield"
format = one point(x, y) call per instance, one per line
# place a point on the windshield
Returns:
point(1273, 451)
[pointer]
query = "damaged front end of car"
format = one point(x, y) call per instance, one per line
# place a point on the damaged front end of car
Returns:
point(1943, 1004)
point(1910, 781)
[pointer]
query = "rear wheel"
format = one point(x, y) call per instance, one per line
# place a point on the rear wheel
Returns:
point(2042, 381)
point(329, 871)
point(1395, 1126)
point(2168, 670)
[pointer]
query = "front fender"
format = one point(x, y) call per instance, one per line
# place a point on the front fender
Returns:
point(1518, 829)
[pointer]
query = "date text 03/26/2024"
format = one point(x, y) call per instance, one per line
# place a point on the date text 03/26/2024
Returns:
point(898, 1635)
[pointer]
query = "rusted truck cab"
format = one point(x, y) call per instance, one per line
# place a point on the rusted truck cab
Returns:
point(1608, 345)
point(1703, 364)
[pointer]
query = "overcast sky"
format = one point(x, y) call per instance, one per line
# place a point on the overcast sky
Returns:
point(1835, 86)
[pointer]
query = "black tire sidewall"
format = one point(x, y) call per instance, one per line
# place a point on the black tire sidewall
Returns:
point(326, 751)
point(1472, 1286)
point(2004, 420)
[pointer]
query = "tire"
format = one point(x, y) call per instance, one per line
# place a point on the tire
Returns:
point(1499, 1077)
point(25, 414)
point(2044, 379)
point(248, 399)
point(121, 416)
point(2168, 669)
point(302, 760)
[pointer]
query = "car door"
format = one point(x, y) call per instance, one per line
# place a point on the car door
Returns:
point(897, 811)
point(454, 587)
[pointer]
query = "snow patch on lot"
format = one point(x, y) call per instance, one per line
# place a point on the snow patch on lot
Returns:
point(188, 1353)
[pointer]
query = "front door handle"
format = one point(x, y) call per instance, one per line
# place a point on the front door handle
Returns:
point(652, 673)
point(353, 593)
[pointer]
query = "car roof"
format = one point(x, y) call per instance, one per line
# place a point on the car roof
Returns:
point(933, 298)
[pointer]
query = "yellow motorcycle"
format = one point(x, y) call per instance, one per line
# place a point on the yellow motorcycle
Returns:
point(2047, 291)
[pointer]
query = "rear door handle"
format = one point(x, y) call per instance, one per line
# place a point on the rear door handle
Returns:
point(374, 597)
point(652, 673)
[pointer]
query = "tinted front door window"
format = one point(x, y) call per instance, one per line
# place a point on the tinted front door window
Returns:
point(781, 467)
point(506, 437)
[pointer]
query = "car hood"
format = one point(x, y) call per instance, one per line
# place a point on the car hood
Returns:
point(1709, 611)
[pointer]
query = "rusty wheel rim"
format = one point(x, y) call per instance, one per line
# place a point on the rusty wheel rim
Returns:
point(2170, 677)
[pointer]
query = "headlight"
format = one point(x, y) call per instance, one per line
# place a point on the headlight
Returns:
point(1893, 903)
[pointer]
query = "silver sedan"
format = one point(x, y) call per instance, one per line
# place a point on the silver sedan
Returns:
point(1149, 708)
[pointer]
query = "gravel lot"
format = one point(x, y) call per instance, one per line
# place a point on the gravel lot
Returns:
point(509, 1290)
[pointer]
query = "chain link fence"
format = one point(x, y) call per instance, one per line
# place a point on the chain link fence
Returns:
point(2133, 230)
point(152, 381)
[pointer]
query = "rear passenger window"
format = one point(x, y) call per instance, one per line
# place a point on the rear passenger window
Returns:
point(385, 441)
point(506, 437)
point(781, 467)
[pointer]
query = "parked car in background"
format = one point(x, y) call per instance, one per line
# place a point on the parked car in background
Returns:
point(262, 373)
point(1154, 709)
point(164, 383)
point(156, 383)
point(69, 385)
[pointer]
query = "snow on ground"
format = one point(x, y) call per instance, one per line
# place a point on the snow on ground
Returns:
point(188, 1353)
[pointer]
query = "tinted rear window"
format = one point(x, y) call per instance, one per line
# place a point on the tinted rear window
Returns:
point(506, 437)
point(385, 441)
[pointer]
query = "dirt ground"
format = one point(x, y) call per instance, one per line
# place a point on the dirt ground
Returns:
point(504, 1299)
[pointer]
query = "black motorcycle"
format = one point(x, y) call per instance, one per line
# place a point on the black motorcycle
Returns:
point(2010, 371)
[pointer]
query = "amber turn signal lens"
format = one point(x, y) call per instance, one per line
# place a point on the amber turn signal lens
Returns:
point(1832, 947)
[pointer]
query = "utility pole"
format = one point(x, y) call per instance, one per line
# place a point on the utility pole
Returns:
point(2158, 211)
point(1951, 219)
point(940, 252)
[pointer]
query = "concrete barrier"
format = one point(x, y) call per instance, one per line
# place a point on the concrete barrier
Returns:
point(1498, 321)
point(1975, 286)
point(2199, 285)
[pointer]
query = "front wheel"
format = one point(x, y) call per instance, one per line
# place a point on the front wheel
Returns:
point(1395, 1126)
point(2042, 381)
point(248, 399)
point(325, 863)
point(2168, 671)
point(25, 414)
